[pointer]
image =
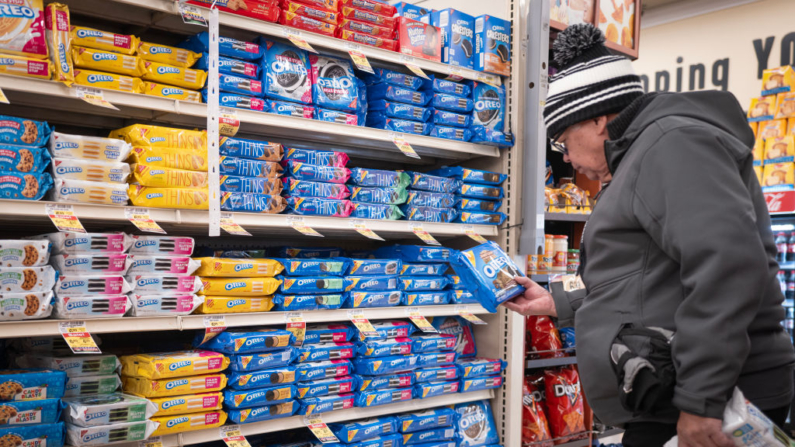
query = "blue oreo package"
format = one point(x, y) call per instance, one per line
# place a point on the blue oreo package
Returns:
point(47, 411)
point(452, 103)
point(327, 369)
point(315, 157)
point(462, 330)
point(475, 414)
point(451, 133)
point(441, 85)
point(425, 390)
point(245, 167)
point(480, 383)
point(313, 206)
point(341, 117)
point(381, 121)
point(471, 191)
point(251, 149)
point(377, 211)
point(428, 214)
point(315, 173)
point(285, 72)
point(326, 351)
point(426, 420)
point(381, 441)
point(324, 387)
point(364, 429)
point(315, 267)
point(382, 75)
point(374, 283)
point(391, 329)
point(383, 397)
point(492, 137)
point(369, 383)
point(334, 84)
point(389, 92)
point(451, 119)
point(481, 218)
point(244, 342)
point(489, 274)
point(239, 101)
point(250, 185)
point(305, 188)
point(424, 343)
point(471, 175)
point(431, 199)
point(261, 379)
point(362, 300)
point(384, 348)
point(463, 204)
point(476, 367)
point(568, 337)
point(26, 186)
point(379, 178)
point(243, 86)
point(258, 362)
point(384, 365)
point(433, 183)
point(431, 359)
point(399, 110)
point(228, 65)
point(462, 297)
point(489, 108)
point(424, 269)
point(383, 196)
point(259, 397)
point(458, 36)
point(436, 374)
point(292, 109)
point(310, 252)
point(294, 303)
point(429, 436)
point(200, 43)
point(264, 413)
point(416, 253)
point(374, 266)
point(312, 285)
point(455, 282)
point(51, 435)
point(252, 203)
point(426, 298)
point(324, 404)
point(321, 333)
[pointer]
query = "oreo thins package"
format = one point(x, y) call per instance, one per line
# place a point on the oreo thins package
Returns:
point(382, 397)
point(317, 388)
point(493, 45)
point(489, 274)
point(428, 214)
point(426, 420)
point(431, 199)
point(458, 36)
point(432, 183)
point(318, 158)
point(334, 84)
point(366, 429)
point(259, 397)
point(377, 211)
point(383, 196)
point(378, 178)
point(285, 72)
point(476, 425)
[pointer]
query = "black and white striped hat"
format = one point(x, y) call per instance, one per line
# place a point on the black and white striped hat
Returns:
point(591, 82)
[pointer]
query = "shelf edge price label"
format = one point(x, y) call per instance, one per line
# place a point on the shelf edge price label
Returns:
point(78, 338)
point(361, 227)
point(455, 73)
point(142, 220)
point(463, 312)
point(228, 122)
point(426, 237)
point(64, 218)
point(362, 323)
point(93, 96)
point(233, 437)
point(3, 97)
point(419, 320)
point(154, 441)
point(469, 230)
point(411, 64)
point(191, 14)
point(300, 226)
point(359, 59)
point(403, 145)
point(319, 428)
point(230, 226)
point(491, 80)
point(213, 325)
point(295, 36)
point(297, 325)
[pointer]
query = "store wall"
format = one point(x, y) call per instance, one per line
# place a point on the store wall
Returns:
point(472, 7)
point(725, 50)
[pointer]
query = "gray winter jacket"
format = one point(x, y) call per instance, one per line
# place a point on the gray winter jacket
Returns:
point(681, 239)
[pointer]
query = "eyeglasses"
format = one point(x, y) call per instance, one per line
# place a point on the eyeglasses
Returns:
point(558, 146)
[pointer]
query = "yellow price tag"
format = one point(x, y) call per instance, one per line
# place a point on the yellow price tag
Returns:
point(142, 220)
point(411, 65)
point(78, 338)
point(358, 58)
point(469, 230)
point(299, 225)
point(64, 218)
point(362, 324)
point(463, 312)
point(422, 234)
point(361, 227)
point(319, 428)
point(230, 226)
point(491, 80)
point(94, 96)
point(403, 145)
point(297, 325)
point(295, 36)
point(191, 15)
point(228, 123)
point(213, 325)
point(3, 97)
point(233, 437)
point(419, 320)
point(455, 73)
point(155, 441)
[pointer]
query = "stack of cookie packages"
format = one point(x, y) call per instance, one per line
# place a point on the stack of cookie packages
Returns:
point(317, 16)
point(373, 283)
point(312, 284)
point(24, 47)
point(431, 198)
point(30, 407)
point(23, 158)
point(479, 195)
point(434, 427)
point(238, 285)
point(385, 364)
point(425, 283)
point(315, 182)
point(27, 290)
point(368, 22)
point(397, 102)
point(287, 79)
point(251, 194)
point(339, 95)
point(451, 107)
point(377, 194)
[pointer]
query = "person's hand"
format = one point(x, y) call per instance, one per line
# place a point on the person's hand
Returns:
point(534, 301)
point(697, 431)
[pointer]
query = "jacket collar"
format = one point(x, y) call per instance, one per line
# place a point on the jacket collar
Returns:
point(618, 144)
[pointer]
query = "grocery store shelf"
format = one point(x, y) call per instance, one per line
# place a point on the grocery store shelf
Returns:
point(41, 328)
point(362, 142)
point(29, 216)
point(610, 432)
point(566, 217)
point(549, 363)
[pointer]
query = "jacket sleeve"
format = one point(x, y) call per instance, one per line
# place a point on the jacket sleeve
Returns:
point(566, 303)
point(691, 198)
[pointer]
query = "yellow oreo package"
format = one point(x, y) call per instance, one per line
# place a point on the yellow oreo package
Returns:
point(167, 157)
point(59, 41)
point(235, 305)
point(111, 81)
point(141, 386)
point(103, 40)
point(160, 177)
point(188, 422)
point(239, 286)
point(195, 403)
point(171, 75)
point(177, 198)
point(25, 66)
point(106, 61)
point(165, 54)
point(238, 267)
point(173, 364)
point(171, 92)
point(157, 136)
point(22, 28)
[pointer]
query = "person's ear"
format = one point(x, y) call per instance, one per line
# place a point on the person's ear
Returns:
point(601, 125)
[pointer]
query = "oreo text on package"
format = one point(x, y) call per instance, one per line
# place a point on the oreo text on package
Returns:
point(285, 72)
point(489, 274)
point(493, 45)
point(458, 36)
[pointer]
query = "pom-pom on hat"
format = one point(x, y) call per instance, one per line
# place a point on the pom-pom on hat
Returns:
point(591, 82)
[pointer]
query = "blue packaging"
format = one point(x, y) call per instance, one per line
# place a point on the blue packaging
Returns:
point(240, 85)
point(375, 211)
point(245, 342)
point(315, 267)
point(259, 397)
point(432, 183)
point(334, 84)
point(13, 157)
point(384, 348)
point(312, 285)
point(383, 196)
point(489, 109)
point(380, 121)
point(451, 133)
point(317, 388)
point(477, 205)
point(313, 206)
point(432, 435)
point(462, 89)
point(374, 266)
point(431, 359)
point(364, 429)
point(476, 414)
point(200, 43)
point(493, 47)
point(400, 110)
point(314, 173)
point(46, 411)
point(13, 129)
point(378, 178)
point(436, 374)
point(383, 397)
point(326, 351)
point(227, 65)
point(369, 383)
point(458, 37)
point(476, 367)
point(481, 192)
point(249, 168)
point(491, 137)
point(310, 252)
point(341, 117)
point(321, 333)
point(460, 328)
point(33, 384)
point(462, 297)
point(252, 203)
point(261, 379)
point(488, 273)
point(389, 92)
point(567, 337)
point(239, 101)
point(441, 444)
point(391, 329)
point(432, 389)
point(424, 269)
point(424, 343)
point(324, 404)
point(266, 413)
point(258, 362)
point(285, 72)
point(327, 369)
point(372, 283)
point(314, 157)
point(431, 199)
point(452, 119)
point(250, 185)
point(391, 77)
point(452, 103)
point(481, 218)
point(480, 383)
point(426, 298)
point(251, 149)
point(410, 11)
point(294, 303)
point(362, 300)
point(305, 188)
point(292, 109)
point(384, 365)
point(382, 441)
point(426, 420)
point(416, 253)
point(33, 435)
point(24, 186)
point(428, 214)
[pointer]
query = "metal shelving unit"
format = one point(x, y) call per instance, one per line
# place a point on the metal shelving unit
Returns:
point(566, 217)
point(549, 363)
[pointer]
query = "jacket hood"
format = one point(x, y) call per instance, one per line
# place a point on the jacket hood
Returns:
point(713, 108)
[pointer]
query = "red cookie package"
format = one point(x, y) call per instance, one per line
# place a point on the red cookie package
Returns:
point(419, 39)
point(307, 24)
point(265, 10)
point(365, 39)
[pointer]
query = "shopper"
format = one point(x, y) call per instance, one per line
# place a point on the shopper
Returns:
point(680, 239)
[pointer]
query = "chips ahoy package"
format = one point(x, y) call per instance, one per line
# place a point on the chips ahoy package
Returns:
point(426, 420)
point(375, 211)
point(383, 196)
point(382, 75)
point(378, 178)
point(431, 199)
point(427, 214)
point(390, 92)
point(369, 383)
point(450, 119)
point(315, 157)
point(382, 397)
point(285, 72)
point(334, 84)
point(304, 188)
point(312, 206)
point(375, 267)
point(393, 109)
point(361, 300)
point(489, 274)
point(364, 429)
point(291, 109)
point(317, 388)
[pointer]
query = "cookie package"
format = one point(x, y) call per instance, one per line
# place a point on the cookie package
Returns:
point(426, 420)
point(365, 429)
point(316, 333)
point(262, 379)
point(476, 424)
point(361, 300)
point(380, 382)
point(32, 384)
point(72, 243)
point(292, 303)
point(91, 385)
point(24, 186)
point(383, 397)
point(99, 193)
point(23, 159)
point(104, 434)
point(489, 273)
point(264, 413)
point(426, 298)
point(35, 434)
point(315, 267)
point(188, 422)
point(430, 199)
point(173, 364)
point(257, 287)
point(493, 45)
point(90, 148)
point(326, 369)
point(192, 403)
point(318, 158)
point(424, 343)
point(27, 279)
point(167, 245)
point(227, 267)
point(371, 283)
point(324, 387)
point(174, 387)
point(104, 306)
point(385, 365)
point(87, 411)
point(326, 351)
point(234, 304)
point(260, 361)
point(436, 373)
point(106, 263)
point(260, 397)
point(243, 342)
point(23, 28)
point(86, 365)
point(324, 404)
point(30, 412)
point(25, 306)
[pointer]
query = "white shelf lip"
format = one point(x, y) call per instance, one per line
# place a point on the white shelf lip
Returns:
point(42, 328)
